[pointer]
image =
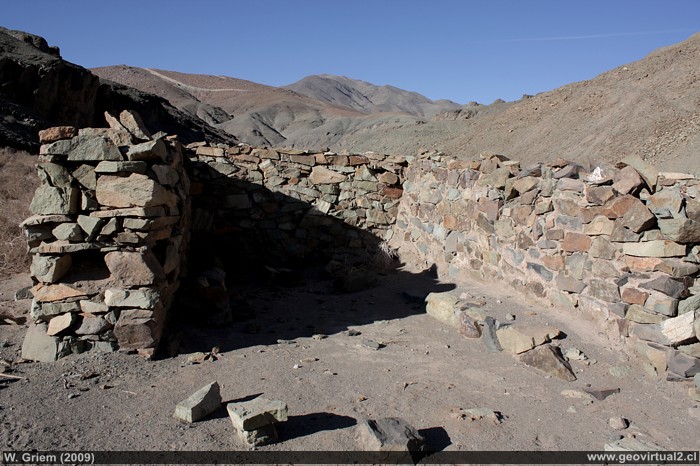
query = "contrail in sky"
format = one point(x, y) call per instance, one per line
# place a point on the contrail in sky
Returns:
point(591, 36)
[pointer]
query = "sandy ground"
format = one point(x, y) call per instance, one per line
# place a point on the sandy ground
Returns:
point(423, 372)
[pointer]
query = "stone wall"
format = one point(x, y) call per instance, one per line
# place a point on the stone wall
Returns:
point(108, 236)
point(114, 216)
point(620, 243)
point(116, 210)
point(285, 206)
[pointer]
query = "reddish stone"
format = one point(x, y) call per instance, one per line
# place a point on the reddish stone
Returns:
point(490, 208)
point(634, 296)
point(627, 180)
point(391, 193)
point(357, 160)
point(450, 222)
point(576, 242)
point(642, 264)
point(56, 134)
point(553, 262)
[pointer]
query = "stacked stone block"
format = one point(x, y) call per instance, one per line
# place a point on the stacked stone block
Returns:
point(300, 204)
point(622, 243)
point(107, 236)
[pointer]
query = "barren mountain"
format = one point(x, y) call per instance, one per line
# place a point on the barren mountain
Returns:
point(265, 115)
point(650, 107)
point(39, 89)
point(368, 98)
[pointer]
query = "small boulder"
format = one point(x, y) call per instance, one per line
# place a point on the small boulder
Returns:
point(200, 404)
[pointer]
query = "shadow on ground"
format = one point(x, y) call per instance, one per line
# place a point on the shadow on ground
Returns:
point(251, 282)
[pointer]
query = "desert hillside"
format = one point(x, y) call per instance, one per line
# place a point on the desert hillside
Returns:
point(649, 107)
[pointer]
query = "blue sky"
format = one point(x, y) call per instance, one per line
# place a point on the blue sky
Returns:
point(456, 49)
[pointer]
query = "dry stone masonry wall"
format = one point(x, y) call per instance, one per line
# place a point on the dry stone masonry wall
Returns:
point(618, 243)
point(113, 219)
point(107, 238)
point(116, 210)
point(296, 205)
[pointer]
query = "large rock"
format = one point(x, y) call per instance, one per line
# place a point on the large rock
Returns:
point(679, 330)
point(60, 323)
point(145, 298)
point(68, 232)
point(126, 166)
point(92, 325)
point(38, 346)
point(549, 360)
point(90, 225)
point(627, 180)
point(92, 148)
point(200, 404)
point(135, 190)
point(56, 133)
point(648, 172)
point(636, 313)
point(49, 200)
point(655, 248)
point(323, 175)
point(574, 242)
point(443, 307)
point(151, 150)
point(256, 413)
point(604, 290)
point(54, 175)
point(681, 365)
point(517, 339)
point(637, 217)
point(134, 268)
point(667, 286)
point(680, 230)
point(662, 304)
point(58, 292)
point(389, 435)
point(136, 329)
point(134, 124)
point(50, 269)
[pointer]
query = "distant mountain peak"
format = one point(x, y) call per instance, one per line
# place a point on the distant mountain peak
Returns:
point(369, 98)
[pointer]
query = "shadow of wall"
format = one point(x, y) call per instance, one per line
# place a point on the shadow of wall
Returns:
point(318, 223)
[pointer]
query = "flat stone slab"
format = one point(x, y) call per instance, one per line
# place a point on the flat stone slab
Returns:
point(38, 346)
point(200, 404)
point(518, 339)
point(256, 413)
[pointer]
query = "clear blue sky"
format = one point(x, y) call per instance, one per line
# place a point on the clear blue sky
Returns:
point(456, 49)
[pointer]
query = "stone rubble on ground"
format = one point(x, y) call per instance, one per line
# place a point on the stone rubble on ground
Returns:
point(389, 435)
point(254, 420)
point(623, 247)
point(200, 404)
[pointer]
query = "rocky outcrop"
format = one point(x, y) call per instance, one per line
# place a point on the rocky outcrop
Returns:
point(39, 90)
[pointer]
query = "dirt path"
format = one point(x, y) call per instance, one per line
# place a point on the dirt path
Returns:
point(423, 373)
point(187, 86)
